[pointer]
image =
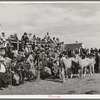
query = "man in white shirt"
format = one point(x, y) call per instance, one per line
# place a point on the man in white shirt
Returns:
point(30, 37)
point(3, 39)
point(46, 37)
point(15, 52)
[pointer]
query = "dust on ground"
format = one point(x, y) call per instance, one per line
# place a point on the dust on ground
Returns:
point(87, 85)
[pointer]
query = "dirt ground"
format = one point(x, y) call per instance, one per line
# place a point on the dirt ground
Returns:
point(87, 85)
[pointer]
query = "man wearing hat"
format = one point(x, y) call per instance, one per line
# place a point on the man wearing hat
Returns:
point(3, 75)
point(25, 39)
point(30, 37)
point(2, 51)
point(61, 68)
point(2, 59)
point(3, 39)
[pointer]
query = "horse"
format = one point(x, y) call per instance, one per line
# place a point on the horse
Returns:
point(84, 64)
point(67, 62)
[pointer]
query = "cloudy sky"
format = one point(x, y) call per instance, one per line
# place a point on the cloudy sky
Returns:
point(68, 21)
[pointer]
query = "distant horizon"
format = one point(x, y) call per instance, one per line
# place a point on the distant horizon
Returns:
point(70, 22)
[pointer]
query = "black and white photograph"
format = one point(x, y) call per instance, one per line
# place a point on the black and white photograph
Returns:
point(49, 48)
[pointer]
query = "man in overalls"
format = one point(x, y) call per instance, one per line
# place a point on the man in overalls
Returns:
point(61, 69)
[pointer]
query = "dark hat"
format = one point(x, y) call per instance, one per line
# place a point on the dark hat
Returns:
point(26, 62)
point(60, 55)
point(38, 51)
point(51, 59)
point(2, 47)
point(3, 33)
point(25, 33)
point(20, 63)
point(99, 51)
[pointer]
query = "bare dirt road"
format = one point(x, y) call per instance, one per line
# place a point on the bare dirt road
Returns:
point(88, 85)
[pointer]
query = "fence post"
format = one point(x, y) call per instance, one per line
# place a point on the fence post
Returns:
point(10, 75)
point(17, 45)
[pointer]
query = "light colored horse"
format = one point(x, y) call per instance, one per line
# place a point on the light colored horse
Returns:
point(68, 64)
point(84, 63)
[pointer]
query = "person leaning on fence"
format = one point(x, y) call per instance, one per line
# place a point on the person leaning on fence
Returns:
point(24, 39)
point(37, 59)
point(40, 68)
point(14, 72)
point(55, 69)
point(30, 38)
point(50, 65)
point(46, 37)
point(47, 70)
point(3, 39)
point(61, 68)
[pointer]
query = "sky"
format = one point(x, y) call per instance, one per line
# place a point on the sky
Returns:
point(69, 22)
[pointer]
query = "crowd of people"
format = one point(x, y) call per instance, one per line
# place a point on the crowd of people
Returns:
point(36, 59)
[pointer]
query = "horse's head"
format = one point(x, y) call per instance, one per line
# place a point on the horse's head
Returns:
point(78, 59)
